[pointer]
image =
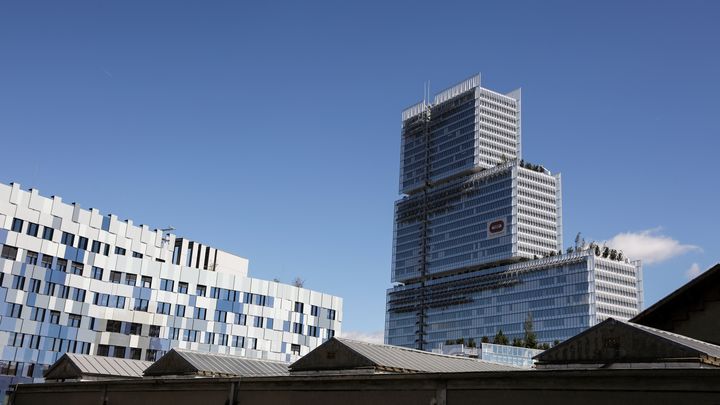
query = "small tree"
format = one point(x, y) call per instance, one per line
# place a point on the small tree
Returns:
point(544, 346)
point(569, 250)
point(298, 282)
point(471, 343)
point(597, 250)
point(517, 342)
point(605, 252)
point(460, 341)
point(620, 256)
point(485, 339)
point(530, 336)
point(613, 254)
point(500, 339)
point(556, 342)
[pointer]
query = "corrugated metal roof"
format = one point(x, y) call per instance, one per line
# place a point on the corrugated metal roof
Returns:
point(89, 365)
point(180, 361)
point(402, 358)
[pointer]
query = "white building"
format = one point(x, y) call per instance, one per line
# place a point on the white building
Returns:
point(75, 281)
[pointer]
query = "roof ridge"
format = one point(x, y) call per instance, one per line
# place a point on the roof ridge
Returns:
point(651, 329)
point(226, 355)
point(412, 350)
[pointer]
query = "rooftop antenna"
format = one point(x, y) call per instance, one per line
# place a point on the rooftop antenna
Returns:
point(166, 234)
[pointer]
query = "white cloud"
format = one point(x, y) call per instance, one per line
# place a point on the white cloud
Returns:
point(693, 271)
point(649, 246)
point(369, 337)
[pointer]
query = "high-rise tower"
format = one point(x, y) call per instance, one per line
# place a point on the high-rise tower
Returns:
point(472, 207)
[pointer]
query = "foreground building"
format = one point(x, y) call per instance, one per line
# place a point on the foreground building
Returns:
point(74, 281)
point(640, 365)
point(477, 244)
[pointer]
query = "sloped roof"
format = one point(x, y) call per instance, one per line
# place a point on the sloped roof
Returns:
point(686, 299)
point(187, 362)
point(77, 366)
point(346, 354)
point(615, 341)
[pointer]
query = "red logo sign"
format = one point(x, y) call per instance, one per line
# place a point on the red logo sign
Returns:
point(497, 226)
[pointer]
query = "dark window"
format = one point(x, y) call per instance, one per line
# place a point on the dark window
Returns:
point(74, 320)
point(9, 252)
point(103, 350)
point(32, 229)
point(46, 261)
point(331, 314)
point(97, 273)
point(78, 295)
point(135, 353)
point(220, 316)
point(238, 341)
point(299, 307)
point(76, 268)
point(141, 304)
point(64, 292)
point(50, 288)
point(151, 355)
point(17, 225)
point(106, 250)
point(34, 286)
point(37, 314)
point(137, 255)
point(113, 326)
point(96, 246)
point(166, 285)
point(31, 257)
point(62, 265)
point(200, 313)
point(154, 331)
point(182, 287)
point(67, 239)
point(115, 277)
point(130, 279)
point(295, 349)
point(314, 310)
point(200, 291)
point(258, 323)
point(135, 328)
point(120, 252)
point(55, 317)
point(297, 328)
point(83, 243)
point(14, 310)
point(240, 319)
point(146, 281)
point(48, 233)
point(119, 352)
point(180, 310)
point(189, 254)
point(18, 282)
point(163, 308)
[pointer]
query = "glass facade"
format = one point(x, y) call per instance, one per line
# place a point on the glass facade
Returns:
point(129, 296)
point(560, 293)
point(477, 244)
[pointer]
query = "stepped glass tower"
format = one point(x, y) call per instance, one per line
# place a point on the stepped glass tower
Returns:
point(477, 244)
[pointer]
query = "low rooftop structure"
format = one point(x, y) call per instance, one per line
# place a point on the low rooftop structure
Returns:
point(618, 344)
point(179, 362)
point(689, 310)
point(84, 367)
point(339, 355)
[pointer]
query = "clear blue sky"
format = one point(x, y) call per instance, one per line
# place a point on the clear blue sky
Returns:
point(272, 131)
